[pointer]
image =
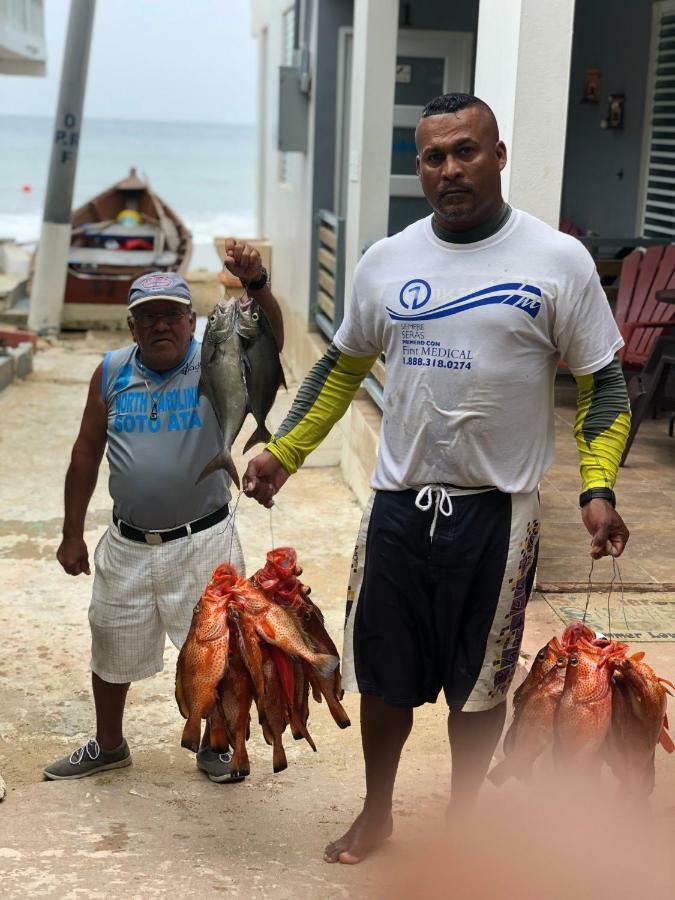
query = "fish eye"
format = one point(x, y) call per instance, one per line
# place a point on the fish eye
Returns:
point(255, 316)
point(573, 660)
point(560, 661)
point(541, 655)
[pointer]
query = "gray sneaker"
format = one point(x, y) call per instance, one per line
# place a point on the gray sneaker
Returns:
point(216, 765)
point(88, 760)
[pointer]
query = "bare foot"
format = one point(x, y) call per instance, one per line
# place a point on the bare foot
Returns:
point(368, 831)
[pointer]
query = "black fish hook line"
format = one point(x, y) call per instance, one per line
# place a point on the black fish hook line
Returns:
point(616, 573)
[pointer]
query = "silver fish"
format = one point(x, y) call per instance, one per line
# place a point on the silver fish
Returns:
point(263, 371)
point(222, 381)
point(241, 373)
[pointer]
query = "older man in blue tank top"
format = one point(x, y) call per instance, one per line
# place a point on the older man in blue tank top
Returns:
point(167, 533)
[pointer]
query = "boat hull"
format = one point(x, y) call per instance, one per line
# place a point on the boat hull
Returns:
point(100, 269)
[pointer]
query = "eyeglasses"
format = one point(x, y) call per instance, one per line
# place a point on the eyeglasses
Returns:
point(171, 318)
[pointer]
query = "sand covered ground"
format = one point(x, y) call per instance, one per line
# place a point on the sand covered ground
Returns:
point(160, 828)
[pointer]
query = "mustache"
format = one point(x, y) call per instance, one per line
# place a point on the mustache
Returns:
point(456, 189)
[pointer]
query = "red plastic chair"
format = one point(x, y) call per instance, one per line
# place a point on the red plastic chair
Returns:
point(567, 226)
point(640, 316)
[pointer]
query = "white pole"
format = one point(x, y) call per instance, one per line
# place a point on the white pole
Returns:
point(370, 127)
point(523, 54)
point(49, 281)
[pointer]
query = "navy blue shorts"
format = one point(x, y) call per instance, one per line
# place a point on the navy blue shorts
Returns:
point(448, 612)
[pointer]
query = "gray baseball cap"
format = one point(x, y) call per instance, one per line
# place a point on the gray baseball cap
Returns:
point(159, 286)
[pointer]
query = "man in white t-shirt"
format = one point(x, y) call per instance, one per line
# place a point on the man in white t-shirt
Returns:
point(473, 308)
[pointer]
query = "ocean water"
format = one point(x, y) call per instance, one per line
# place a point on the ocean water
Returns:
point(204, 172)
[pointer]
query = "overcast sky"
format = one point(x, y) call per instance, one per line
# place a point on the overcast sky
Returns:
point(167, 60)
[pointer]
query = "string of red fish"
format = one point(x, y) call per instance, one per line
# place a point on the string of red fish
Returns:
point(593, 703)
point(280, 688)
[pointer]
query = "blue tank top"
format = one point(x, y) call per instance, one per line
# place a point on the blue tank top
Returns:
point(154, 464)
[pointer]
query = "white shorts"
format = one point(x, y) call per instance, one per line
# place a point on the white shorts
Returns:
point(142, 592)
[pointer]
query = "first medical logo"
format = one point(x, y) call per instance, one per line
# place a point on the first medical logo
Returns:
point(416, 294)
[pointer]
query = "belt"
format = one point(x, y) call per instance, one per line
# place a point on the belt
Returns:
point(161, 536)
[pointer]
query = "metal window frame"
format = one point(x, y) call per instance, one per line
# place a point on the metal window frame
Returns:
point(659, 10)
point(328, 327)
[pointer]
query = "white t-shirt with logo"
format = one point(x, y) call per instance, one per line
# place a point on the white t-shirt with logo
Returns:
point(472, 335)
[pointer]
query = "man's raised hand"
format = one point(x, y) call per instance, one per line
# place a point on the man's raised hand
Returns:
point(242, 260)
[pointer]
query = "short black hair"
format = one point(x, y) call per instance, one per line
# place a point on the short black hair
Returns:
point(452, 103)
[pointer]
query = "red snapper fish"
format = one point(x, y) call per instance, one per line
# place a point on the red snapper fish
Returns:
point(202, 662)
point(532, 728)
point(547, 659)
point(574, 631)
point(294, 686)
point(639, 723)
point(279, 582)
point(584, 713)
point(278, 626)
point(275, 717)
point(235, 699)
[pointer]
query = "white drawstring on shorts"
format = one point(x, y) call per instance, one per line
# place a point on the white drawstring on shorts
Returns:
point(438, 494)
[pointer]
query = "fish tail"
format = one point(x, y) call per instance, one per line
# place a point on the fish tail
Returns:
point(316, 690)
point(299, 729)
point(325, 664)
point(279, 761)
point(338, 713)
point(218, 735)
point(180, 696)
point(192, 732)
point(222, 460)
point(321, 689)
point(666, 741)
point(240, 764)
point(267, 732)
point(501, 773)
point(260, 436)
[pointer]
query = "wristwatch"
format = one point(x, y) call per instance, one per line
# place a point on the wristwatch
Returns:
point(257, 283)
point(597, 493)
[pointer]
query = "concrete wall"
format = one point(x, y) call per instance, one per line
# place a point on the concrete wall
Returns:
point(23, 49)
point(602, 166)
point(285, 208)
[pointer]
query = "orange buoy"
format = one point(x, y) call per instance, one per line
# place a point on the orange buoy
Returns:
point(26, 188)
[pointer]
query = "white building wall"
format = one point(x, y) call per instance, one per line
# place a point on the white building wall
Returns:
point(22, 40)
point(284, 206)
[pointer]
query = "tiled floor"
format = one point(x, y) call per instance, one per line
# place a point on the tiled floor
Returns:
point(645, 492)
